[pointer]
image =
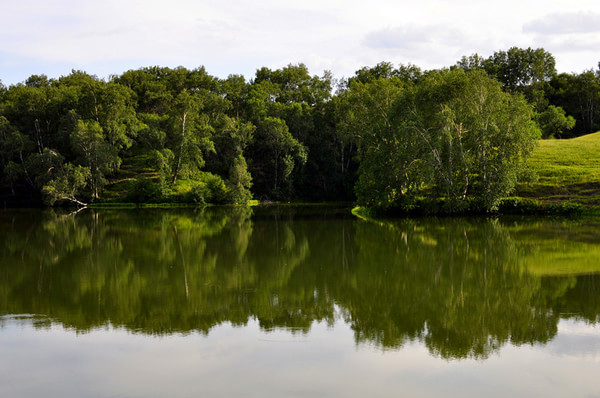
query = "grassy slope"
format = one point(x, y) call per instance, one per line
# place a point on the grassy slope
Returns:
point(137, 166)
point(567, 170)
point(134, 168)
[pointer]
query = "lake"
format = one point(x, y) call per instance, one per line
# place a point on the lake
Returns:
point(299, 301)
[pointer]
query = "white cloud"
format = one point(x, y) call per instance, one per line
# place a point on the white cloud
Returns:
point(573, 38)
point(416, 37)
point(238, 36)
point(564, 23)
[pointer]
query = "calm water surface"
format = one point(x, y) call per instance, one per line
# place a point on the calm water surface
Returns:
point(296, 301)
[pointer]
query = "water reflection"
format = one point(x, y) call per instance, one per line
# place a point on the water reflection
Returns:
point(464, 287)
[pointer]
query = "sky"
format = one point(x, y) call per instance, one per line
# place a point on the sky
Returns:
point(109, 37)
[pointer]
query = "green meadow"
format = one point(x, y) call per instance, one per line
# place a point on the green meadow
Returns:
point(565, 171)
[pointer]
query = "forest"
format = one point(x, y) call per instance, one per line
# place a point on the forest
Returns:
point(453, 139)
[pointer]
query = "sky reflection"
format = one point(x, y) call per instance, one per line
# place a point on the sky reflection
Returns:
point(247, 361)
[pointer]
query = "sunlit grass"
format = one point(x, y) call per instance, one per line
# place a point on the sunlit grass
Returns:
point(566, 170)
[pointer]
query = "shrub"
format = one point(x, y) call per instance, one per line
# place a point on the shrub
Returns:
point(145, 190)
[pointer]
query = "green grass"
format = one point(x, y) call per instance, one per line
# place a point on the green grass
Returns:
point(567, 171)
point(137, 178)
point(132, 169)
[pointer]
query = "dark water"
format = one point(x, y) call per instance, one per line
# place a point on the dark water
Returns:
point(296, 301)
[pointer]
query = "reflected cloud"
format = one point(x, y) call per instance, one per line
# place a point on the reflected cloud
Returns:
point(577, 339)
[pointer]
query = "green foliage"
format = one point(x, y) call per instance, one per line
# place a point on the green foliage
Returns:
point(231, 139)
point(98, 155)
point(209, 189)
point(66, 185)
point(218, 191)
point(190, 134)
point(153, 134)
point(145, 190)
point(453, 138)
point(385, 70)
point(554, 122)
point(117, 116)
point(518, 67)
point(527, 206)
point(239, 182)
point(275, 153)
point(162, 160)
point(579, 96)
point(393, 136)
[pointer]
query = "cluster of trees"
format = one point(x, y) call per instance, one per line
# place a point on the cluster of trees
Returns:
point(451, 137)
point(181, 134)
point(391, 136)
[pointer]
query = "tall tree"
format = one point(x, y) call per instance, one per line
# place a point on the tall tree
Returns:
point(94, 152)
point(275, 153)
point(518, 67)
point(579, 95)
point(454, 138)
point(190, 133)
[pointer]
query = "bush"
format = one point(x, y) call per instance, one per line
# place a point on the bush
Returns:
point(210, 189)
point(199, 194)
point(145, 190)
point(217, 188)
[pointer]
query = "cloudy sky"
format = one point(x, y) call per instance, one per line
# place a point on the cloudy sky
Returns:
point(238, 36)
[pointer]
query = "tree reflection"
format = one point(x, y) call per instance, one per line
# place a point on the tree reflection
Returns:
point(461, 286)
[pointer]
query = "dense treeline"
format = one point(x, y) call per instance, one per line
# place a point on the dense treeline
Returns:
point(453, 139)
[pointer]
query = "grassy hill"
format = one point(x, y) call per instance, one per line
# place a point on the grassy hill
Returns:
point(137, 169)
point(566, 170)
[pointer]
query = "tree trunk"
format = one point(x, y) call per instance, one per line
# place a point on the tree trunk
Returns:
point(180, 155)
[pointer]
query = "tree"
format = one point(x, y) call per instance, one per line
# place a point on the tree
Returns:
point(454, 138)
point(517, 67)
point(14, 150)
point(34, 112)
point(579, 96)
point(275, 153)
point(151, 92)
point(235, 90)
point(190, 133)
point(388, 166)
point(554, 122)
point(231, 139)
point(471, 62)
point(240, 181)
point(67, 185)
point(385, 70)
point(117, 116)
point(503, 134)
point(527, 71)
point(292, 95)
point(95, 153)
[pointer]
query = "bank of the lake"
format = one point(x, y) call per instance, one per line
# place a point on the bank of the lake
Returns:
point(562, 177)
